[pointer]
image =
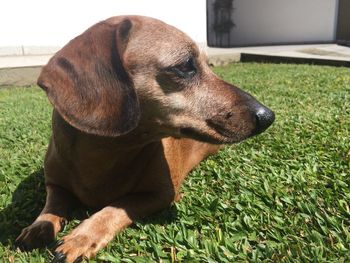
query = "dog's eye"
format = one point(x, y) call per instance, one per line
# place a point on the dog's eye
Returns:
point(185, 70)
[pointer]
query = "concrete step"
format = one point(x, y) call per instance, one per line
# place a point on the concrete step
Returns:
point(23, 70)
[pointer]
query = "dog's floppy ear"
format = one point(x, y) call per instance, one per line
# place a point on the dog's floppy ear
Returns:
point(88, 84)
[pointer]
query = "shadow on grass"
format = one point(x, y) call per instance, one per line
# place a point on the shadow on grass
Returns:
point(29, 198)
point(165, 216)
point(27, 201)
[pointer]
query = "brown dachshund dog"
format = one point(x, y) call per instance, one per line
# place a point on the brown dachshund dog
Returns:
point(136, 107)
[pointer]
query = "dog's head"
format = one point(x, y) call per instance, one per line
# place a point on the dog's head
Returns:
point(129, 73)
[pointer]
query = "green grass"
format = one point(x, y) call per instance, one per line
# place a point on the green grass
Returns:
point(283, 196)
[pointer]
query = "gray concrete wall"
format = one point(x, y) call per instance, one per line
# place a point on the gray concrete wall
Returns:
point(282, 21)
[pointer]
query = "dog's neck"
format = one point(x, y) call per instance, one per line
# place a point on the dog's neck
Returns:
point(134, 140)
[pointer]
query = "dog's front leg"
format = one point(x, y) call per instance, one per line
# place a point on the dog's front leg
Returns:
point(50, 221)
point(95, 232)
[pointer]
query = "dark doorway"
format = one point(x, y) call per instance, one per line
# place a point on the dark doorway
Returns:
point(343, 25)
point(219, 22)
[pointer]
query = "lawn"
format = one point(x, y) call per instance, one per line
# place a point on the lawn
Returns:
point(283, 196)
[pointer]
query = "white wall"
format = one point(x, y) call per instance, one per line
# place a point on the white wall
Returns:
point(55, 22)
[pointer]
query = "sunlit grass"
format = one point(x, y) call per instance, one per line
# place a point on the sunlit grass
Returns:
point(283, 196)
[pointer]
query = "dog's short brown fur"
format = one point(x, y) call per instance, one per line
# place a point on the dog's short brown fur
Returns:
point(136, 107)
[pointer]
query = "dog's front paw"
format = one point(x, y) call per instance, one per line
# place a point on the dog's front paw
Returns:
point(39, 234)
point(76, 246)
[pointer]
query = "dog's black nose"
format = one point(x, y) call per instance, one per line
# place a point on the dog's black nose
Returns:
point(264, 118)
